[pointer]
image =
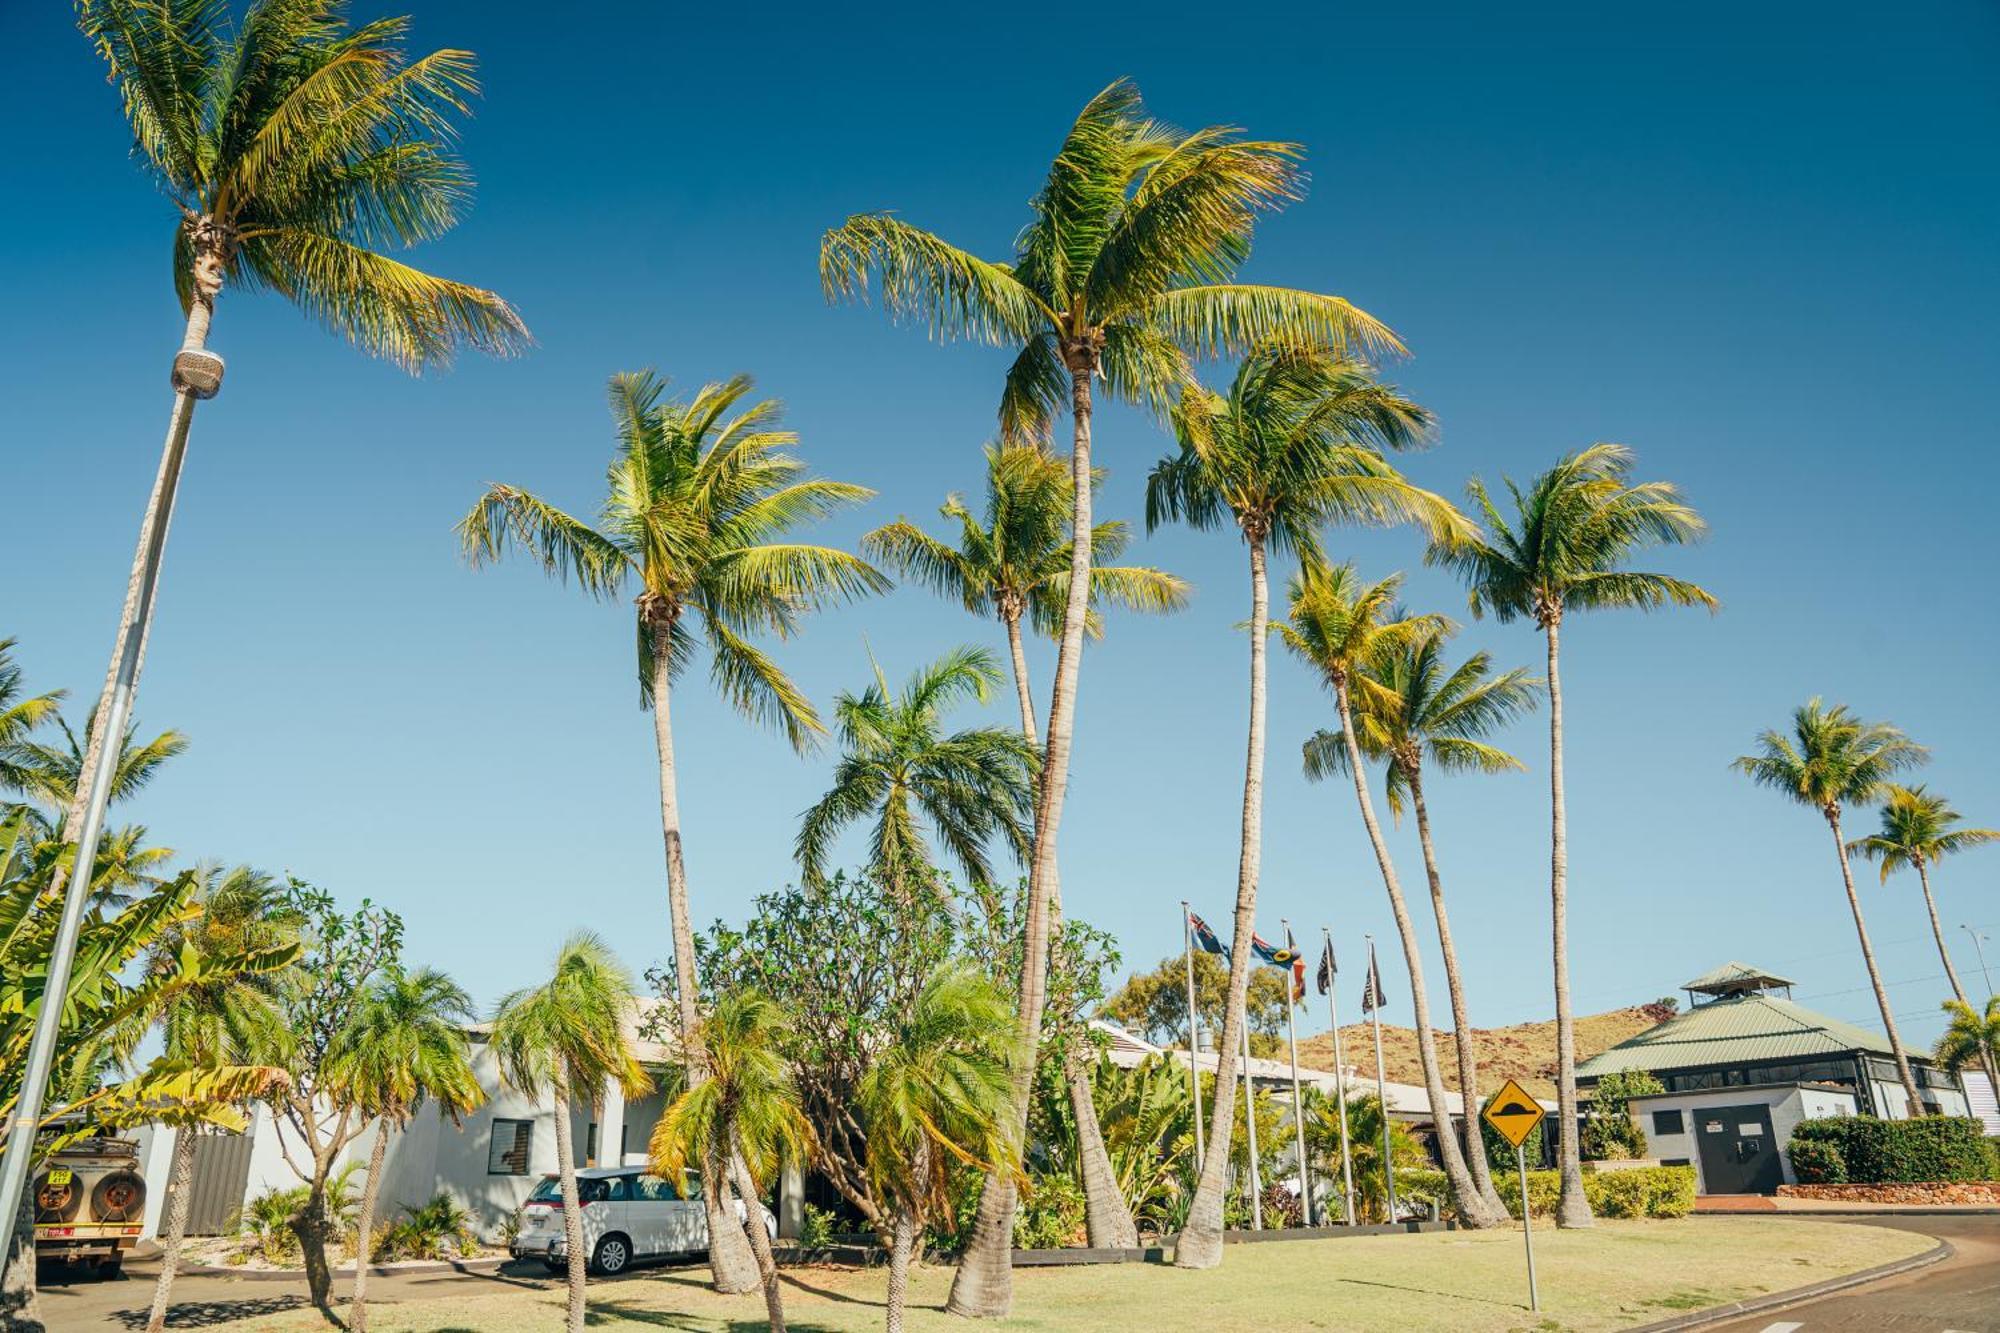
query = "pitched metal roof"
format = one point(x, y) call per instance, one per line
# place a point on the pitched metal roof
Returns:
point(1741, 1029)
point(1732, 975)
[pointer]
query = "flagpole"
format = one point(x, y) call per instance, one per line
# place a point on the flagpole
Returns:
point(1194, 1039)
point(1298, 1097)
point(1339, 1075)
point(1250, 1120)
point(1381, 1081)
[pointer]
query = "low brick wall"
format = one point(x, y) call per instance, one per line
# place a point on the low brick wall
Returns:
point(1974, 1192)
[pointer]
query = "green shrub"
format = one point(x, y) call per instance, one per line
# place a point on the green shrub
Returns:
point(816, 1226)
point(1422, 1187)
point(439, 1229)
point(1643, 1191)
point(1818, 1161)
point(1051, 1214)
point(1882, 1152)
point(1992, 1147)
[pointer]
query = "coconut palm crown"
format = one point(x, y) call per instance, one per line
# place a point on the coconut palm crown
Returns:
point(299, 149)
point(1917, 831)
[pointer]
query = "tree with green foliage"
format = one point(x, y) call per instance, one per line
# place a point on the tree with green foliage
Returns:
point(701, 500)
point(1610, 1134)
point(1565, 548)
point(1409, 707)
point(1336, 624)
point(1295, 446)
point(898, 768)
point(568, 1039)
point(745, 1116)
point(1364, 1147)
point(405, 1046)
point(1013, 562)
point(937, 1097)
point(232, 1018)
point(1832, 760)
point(1154, 1004)
point(1919, 829)
point(21, 715)
point(1124, 270)
point(1972, 1037)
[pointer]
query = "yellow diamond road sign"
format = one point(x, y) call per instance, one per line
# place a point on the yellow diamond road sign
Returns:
point(1514, 1113)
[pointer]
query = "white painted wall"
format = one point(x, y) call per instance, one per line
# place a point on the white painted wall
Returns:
point(1788, 1106)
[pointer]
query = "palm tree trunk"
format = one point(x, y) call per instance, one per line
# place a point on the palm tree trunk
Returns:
point(1461, 1020)
point(1473, 1210)
point(902, 1243)
point(1986, 1060)
point(579, 1261)
point(357, 1321)
point(983, 1287)
point(1107, 1215)
point(732, 1267)
point(1915, 1103)
point(182, 1177)
point(20, 1308)
point(1200, 1243)
point(1572, 1207)
point(760, 1242)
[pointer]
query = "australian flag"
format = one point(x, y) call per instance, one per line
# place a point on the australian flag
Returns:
point(1286, 958)
point(1204, 938)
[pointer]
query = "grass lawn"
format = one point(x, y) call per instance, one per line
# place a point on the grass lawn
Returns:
point(1615, 1276)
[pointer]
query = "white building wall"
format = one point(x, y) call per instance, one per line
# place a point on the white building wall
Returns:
point(1788, 1106)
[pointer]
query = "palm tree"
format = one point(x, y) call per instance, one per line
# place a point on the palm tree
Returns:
point(1336, 624)
point(568, 1038)
point(1294, 446)
point(1409, 706)
point(937, 1099)
point(298, 152)
point(1565, 549)
point(699, 500)
point(226, 1018)
point(407, 1044)
point(746, 1114)
point(971, 786)
point(1832, 759)
point(1364, 1146)
point(1971, 1037)
point(1917, 831)
point(1123, 270)
point(1013, 562)
point(19, 718)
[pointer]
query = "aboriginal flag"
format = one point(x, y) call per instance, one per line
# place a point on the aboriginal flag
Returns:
point(1286, 958)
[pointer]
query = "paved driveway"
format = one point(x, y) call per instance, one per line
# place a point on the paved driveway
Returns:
point(1961, 1294)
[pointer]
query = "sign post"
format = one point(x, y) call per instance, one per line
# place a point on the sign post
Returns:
point(1513, 1114)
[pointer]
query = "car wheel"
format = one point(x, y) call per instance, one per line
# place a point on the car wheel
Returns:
point(613, 1253)
point(556, 1267)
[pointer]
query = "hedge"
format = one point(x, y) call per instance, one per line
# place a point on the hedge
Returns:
point(1893, 1152)
point(1646, 1191)
point(1818, 1162)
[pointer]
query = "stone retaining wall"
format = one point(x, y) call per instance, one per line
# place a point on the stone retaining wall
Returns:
point(1975, 1192)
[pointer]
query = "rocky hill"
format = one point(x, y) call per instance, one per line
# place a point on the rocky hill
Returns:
point(1525, 1052)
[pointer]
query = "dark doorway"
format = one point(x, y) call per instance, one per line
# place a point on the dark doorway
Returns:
point(1739, 1154)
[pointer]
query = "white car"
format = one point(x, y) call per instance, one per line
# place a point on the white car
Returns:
point(628, 1213)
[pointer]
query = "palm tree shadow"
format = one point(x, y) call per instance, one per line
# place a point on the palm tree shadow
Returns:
point(601, 1312)
point(792, 1279)
point(1430, 1291)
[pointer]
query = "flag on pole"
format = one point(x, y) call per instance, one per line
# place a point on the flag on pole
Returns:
point(1204, 938)
point(1286, 959)
point(1327, 968)
point(1372, 996)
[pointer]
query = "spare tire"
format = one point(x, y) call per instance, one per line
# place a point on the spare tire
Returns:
point(118, 1197)
point(57, 1203)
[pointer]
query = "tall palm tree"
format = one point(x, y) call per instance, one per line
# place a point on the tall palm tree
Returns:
point(747, 1114)
point(299, 152)
point(1831, 760)
point(1410, 705)
point(1972, 1036)
point(568, 1038)
point(1335, 624)
point(1917, 832)
point(700, 500)
point(407, 1044)
point(54, 772)
point(935, 1100)
point(896, 766)
point(20, 716)
point(1013, 562)
point(1565, 549)
point(1294, 446)
point(228, 1018)
point(1122, 272)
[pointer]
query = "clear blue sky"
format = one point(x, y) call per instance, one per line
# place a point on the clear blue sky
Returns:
point(1755, 242)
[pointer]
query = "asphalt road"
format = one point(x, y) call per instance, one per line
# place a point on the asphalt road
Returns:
point(1960, 1295)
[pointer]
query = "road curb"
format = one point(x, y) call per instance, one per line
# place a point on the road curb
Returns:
point(1779, 1300)
point(474, 1266)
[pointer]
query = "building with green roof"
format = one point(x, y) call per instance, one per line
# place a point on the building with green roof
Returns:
point(1744, 1064)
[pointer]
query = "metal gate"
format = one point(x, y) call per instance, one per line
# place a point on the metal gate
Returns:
point(1739, 1154)
point(221, 1172)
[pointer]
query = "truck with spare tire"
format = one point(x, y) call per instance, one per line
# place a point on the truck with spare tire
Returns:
point(90, 1204)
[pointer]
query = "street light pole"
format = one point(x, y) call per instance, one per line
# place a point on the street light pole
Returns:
point(197, 374)
point(1977, 938)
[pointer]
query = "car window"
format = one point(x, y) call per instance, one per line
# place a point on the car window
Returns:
point(652, 1189)
point(615, 1189)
